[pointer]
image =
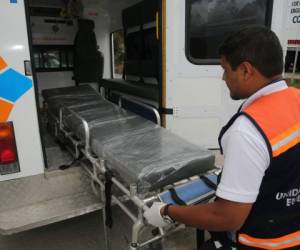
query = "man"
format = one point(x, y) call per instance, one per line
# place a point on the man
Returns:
point(258, 197)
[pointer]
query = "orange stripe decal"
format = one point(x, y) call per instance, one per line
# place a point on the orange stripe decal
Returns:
point(5, 109)
point(3, 64)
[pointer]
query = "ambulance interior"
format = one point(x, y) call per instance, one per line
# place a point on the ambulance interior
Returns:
point(113, 128)
point(82, 42)
point(115, 46)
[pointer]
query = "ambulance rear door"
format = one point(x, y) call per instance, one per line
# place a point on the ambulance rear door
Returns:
point(18, 109)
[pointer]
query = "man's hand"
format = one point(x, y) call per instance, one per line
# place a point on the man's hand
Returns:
point(220, 215)
point(153, 215)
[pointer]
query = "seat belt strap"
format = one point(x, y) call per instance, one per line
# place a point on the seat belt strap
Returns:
point(175, 197)
point(208, 182)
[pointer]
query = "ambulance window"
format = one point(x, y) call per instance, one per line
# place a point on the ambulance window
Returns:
point(292, 61)
point(292, 65)
point(118, 52)
point(53, 58)
point(210, 21)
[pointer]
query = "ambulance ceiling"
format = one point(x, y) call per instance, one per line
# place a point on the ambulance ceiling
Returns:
point(62, 3)
point(47, 3)
point(109, 9)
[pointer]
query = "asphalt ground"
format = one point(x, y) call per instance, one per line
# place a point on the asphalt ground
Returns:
point(86, 233)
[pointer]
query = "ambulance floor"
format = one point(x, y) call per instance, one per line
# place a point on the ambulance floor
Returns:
point(56, 156)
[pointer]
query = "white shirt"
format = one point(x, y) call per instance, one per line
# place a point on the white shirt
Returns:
point(246, 155)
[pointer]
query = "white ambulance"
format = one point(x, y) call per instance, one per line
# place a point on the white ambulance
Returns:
point(178, 61)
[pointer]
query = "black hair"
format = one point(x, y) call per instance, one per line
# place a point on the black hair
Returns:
point(257, 45)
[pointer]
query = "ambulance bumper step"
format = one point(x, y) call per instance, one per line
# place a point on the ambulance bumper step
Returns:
point(36, 201)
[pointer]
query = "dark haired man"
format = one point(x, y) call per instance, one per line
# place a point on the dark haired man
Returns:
point(258, 197)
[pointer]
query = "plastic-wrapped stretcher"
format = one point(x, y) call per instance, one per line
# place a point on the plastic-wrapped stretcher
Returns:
point(119, 147)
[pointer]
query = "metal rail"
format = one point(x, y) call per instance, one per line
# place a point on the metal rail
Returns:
point(82, 120)
point(97, 172)
point(146, 106)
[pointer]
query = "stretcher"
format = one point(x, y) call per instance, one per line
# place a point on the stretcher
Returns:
point(119, 148)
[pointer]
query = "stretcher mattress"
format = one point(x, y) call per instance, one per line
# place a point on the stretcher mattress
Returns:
point(69, 96)
point(135, 149)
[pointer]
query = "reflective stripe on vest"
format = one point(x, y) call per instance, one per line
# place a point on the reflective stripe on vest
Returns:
point(282, 125)
point(286, 140)
point(287, 241)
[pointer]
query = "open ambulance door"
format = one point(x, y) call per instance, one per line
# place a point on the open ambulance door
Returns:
point(21, 151)
point(194, 90)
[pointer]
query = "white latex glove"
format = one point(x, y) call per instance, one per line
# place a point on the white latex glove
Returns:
point(153, 217)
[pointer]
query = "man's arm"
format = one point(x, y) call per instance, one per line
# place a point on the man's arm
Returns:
point(246, 159)
point(220, 215)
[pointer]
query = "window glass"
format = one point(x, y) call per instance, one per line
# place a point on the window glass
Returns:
point(134, 46)
point(292, 61)
point(292, 66)
point(150, 44)
point(210, 21)
point(36, 58)
point(63, 60)
point(53, 58)
point(118, 51)
point(70, 59)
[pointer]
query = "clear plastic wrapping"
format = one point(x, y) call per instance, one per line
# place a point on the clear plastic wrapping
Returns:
point(95, 116)
point(70, 96)
point(153, 158)
point(135, 149)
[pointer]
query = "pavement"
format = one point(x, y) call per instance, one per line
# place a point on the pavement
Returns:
point(86, 233)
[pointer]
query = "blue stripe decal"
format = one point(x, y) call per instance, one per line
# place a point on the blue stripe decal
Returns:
point(13, 85)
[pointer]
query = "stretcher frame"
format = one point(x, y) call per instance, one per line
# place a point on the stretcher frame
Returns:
point(97, 170)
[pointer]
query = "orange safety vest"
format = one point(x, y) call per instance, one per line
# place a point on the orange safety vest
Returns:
point(274, 221)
